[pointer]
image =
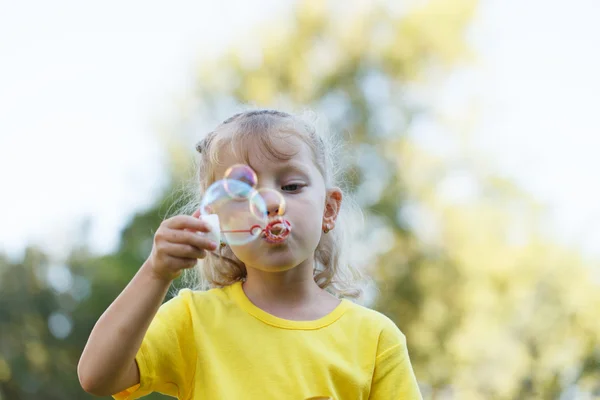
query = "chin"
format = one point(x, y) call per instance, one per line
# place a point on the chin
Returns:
point(271, 257)
point(274, 265)
point(273, 269)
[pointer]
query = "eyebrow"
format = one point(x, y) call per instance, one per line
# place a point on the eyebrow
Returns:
point(293, 167)
point(288, 167)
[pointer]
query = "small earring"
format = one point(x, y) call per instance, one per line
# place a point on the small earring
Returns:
point(327, 229)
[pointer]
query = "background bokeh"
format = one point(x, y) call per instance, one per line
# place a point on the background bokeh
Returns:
point(471, 135)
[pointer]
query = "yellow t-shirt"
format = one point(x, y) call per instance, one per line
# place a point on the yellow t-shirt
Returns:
point(218, 345)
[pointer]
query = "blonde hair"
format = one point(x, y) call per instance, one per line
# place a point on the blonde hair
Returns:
point(332, 271)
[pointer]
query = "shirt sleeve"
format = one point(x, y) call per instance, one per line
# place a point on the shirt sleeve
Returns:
point(167, 356)
point(393, 377)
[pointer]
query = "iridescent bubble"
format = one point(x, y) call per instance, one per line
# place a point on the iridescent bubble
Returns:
point(274, 201)
point(242, 214)
point(242, 173)
point(278, 228)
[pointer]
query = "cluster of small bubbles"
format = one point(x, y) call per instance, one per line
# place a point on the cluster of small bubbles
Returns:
point(237, 209)
point(243, 210)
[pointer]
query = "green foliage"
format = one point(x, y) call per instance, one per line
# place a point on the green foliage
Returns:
point(34, 362)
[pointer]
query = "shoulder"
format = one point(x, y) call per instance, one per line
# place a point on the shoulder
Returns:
point(377, 324)
point(374, 318)
point(195, 302)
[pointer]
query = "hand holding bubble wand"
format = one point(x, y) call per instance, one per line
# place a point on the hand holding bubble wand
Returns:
point(239, 213)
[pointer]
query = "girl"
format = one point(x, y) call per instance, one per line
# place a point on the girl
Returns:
point(275, 323)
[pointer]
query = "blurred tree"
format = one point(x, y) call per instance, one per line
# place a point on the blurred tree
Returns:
point(36, 307)
point(492, 308)
point(503, 311)
point(488, 303)
point(48, 309)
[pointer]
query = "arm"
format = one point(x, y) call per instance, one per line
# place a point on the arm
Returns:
point(107, 364)
point(393, 377)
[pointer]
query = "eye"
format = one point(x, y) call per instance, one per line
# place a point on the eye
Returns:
point(294, 187)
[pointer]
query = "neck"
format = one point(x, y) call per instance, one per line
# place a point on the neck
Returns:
point(290, 288)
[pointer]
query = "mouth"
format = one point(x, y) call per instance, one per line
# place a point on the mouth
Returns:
point(277, 231)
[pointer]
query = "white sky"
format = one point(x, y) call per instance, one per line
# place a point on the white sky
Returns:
point(540, 85)
point(83, 84)
point(82, 87)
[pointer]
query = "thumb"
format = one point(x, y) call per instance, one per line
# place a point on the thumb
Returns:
point(196, 214)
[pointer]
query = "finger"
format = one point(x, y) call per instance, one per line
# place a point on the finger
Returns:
point(182, 251)
point(191, 238)
point(188, 222)
point(196, 214)
point(181, 262)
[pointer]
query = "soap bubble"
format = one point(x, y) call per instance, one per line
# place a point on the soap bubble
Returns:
point(274, 201)
point(242, 215)
point(243, 173)
point(244, 212)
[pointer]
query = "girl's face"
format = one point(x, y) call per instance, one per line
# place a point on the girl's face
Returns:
point(308, 205)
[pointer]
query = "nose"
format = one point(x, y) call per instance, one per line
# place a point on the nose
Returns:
point(274, 202)
point(273, 209)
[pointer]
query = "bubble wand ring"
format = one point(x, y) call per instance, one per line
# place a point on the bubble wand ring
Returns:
point(276, 231)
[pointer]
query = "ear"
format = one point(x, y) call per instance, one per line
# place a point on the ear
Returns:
point(333, 203)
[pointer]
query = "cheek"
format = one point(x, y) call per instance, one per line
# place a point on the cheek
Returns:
point(308, 215)
point(308, 224)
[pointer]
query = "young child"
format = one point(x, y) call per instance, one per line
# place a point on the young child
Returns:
point(275, 323)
